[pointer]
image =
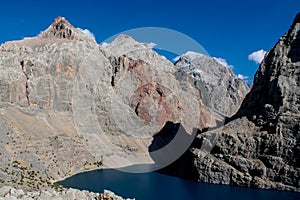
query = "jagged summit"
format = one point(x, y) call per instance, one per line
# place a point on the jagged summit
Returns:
point(61, 28)
point(276, 84)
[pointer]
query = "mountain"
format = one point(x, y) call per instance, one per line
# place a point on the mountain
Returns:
point(260, 145)
point(224, 91)
point(68, 105)
point(39, 140)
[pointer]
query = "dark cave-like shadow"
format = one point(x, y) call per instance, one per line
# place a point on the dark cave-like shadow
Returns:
point(164, 136)
point(182, 166)
point(167, 147)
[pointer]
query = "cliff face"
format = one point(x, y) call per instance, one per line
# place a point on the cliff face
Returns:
point(224, 91)
point(274, 100)
point(260, 146)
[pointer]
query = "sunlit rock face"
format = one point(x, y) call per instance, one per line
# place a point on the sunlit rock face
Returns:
point(68, 104)
point(224, 90)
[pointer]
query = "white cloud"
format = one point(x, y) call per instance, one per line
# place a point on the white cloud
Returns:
point(223, 62)
point(87, 33)
point(242, 77)
point(257, 56)
point(151, 45)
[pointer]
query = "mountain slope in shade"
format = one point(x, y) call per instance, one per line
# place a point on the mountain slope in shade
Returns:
point(260, 146)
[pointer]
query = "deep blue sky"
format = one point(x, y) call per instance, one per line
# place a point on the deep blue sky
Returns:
point(225, 28)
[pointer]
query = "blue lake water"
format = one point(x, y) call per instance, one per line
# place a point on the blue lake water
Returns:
point(154, 185)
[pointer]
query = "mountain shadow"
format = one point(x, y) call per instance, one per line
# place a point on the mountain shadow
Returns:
point(170, 149)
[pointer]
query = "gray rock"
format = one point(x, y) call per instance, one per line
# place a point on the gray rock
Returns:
point(224, 91)
point(260, 146)
point(5, 191)
point(9, 193)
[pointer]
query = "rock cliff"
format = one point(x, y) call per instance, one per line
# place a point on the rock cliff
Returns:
point(260, 145)
point(224, 90)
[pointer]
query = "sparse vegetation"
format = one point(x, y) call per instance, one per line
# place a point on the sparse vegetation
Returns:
point(27, 176)
point(99, 163)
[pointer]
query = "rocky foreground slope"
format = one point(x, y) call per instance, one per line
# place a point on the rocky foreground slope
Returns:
point(9, 193)
point(260, 145)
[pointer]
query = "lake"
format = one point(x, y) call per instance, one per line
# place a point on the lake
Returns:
point(154, 185)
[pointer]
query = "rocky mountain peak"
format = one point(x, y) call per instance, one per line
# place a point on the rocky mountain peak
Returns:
point(61, 20)
point(122, 38)
point(126, 45)
point(275, 93)
point(222, 87)
point(191, 55)
point(61, 28)
point(123, 44)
